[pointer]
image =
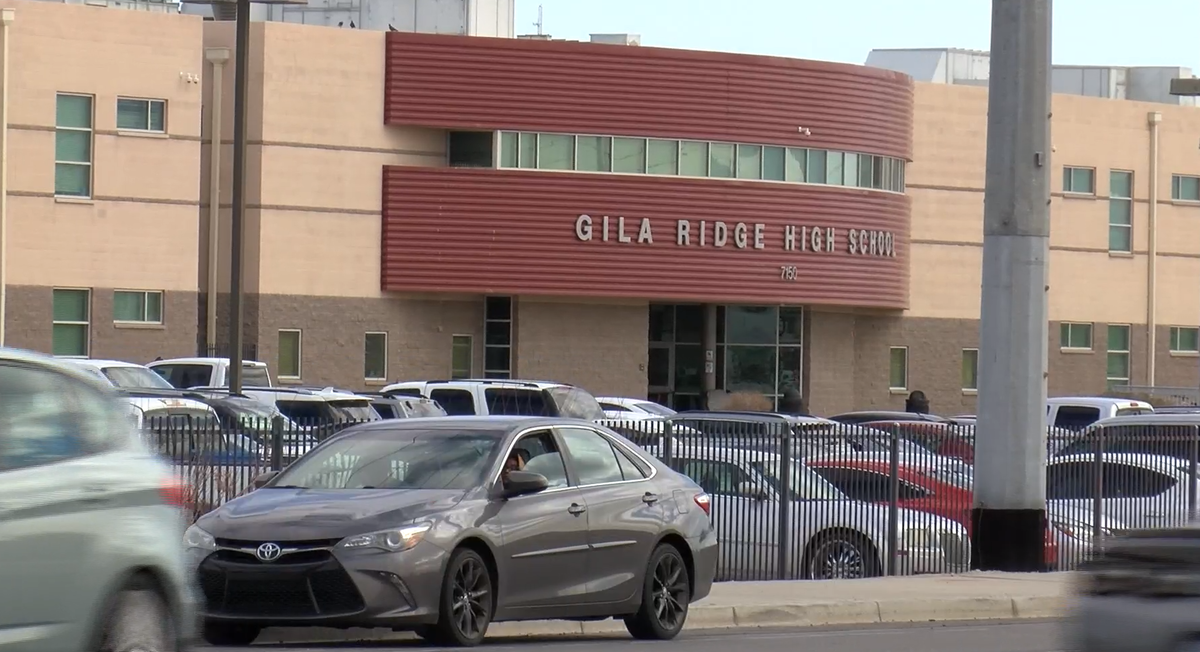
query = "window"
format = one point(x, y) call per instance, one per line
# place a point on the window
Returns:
point(898, 369)
point(456, 402)
point(509, 150)
point(592, 457)
point(773, 163)
point(629, 155)
point(288, 362)
point(47, 418)
point(970, 369)
point(749, 161)
point(556, 152)
point(541, 455)
point(497, 337)
point(462, 356)
point(73, 146)
point(794, 164)
point(663, 157)
point(815, 167)
point(1185, 187)
point(138, 306)
point(1120, 211)
point(834, 168)
point(470, 149)
point(72, 310)
point(721, 160)
point(1185, 339)
point(1079, 181)
point(142, 115)
point(693, 159)
point(715, 477)
point(850, 168)
point(593, 154)
point(375, 363)
point(1118, 355)
point(1075, 336)
point(527, 151)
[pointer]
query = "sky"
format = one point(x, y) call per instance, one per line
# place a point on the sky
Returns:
point(1086, 32)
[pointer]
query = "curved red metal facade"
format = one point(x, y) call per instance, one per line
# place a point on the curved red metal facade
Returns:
point(519, 232)
point(460, 82)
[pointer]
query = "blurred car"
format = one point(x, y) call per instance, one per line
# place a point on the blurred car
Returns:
point(1141, 491)
point(90, 520)
point(422, 524)
point(616, 407)
point(832, 536)
point(405, 407)
point(886, 416)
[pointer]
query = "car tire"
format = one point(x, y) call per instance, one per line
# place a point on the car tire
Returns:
point(666, 594)
point(841, 555)
point(230, 634)
point(139, 619)
point(466, 605)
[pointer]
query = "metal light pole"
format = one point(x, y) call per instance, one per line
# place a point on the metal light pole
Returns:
point(1009, 512)
point(237, 221)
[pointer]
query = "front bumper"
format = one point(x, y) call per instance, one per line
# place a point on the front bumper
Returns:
point(322, 586)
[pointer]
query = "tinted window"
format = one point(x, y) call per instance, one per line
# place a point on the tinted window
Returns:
point(254, 376)
point(859, 485)
point(46, 418)
point(592, 456)
point(135, 378)
point(516, 402)
point(1124, 481)
point(397, 459)
point(1076, 417)
point(305, 412)
point(1070, 481)
point(184, 376)
point(456, 402)
point(575, 403)
point(386, 410)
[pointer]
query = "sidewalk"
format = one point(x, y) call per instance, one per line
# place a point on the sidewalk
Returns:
point(928, 598)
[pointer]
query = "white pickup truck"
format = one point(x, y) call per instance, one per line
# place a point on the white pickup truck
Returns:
point(188, 373)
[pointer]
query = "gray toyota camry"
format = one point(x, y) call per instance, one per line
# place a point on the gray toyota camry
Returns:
point(443, 526)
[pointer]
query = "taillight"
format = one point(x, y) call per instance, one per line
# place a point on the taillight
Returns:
point(704, 502)
point(174, 493)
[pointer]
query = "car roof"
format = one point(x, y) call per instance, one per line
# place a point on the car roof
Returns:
point(1146, 461)
point(732, 415)
point(890, 415)
point(62, 365)
point(101, 364)
point(498, 382)
point(251, 363)
point(1097, 401)
point(497, 424)
point(1153, 419)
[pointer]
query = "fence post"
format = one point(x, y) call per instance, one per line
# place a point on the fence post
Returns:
point(668, 444)
point(893, 501)
point(1193, 456)
point(785, 499)
point(1097, 485)
point(276, 443)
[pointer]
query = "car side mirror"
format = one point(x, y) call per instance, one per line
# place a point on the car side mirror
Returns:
point(262, 479)
point(520, 483)
point(751, 490)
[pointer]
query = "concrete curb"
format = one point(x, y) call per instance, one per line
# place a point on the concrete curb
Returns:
point(705, 617)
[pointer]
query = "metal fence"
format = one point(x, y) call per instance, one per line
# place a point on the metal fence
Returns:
point(809, 499)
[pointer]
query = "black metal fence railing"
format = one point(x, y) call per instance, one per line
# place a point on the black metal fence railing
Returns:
point(809, 498)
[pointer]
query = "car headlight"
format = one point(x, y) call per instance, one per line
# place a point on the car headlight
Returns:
point(390, 540)
point(196, 539)
point(1075, 529)
point(918, 537)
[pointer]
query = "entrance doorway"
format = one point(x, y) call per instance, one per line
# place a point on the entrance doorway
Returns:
point(759, 349)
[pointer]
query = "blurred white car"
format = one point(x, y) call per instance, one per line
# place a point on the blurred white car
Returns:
point(616, 407)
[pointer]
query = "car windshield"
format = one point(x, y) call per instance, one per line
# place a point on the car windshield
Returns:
point(957, 476)
point(354, 410)
point(804, 484)
point(382, 459)
point(655, 408)
point(135, 378)
point(424, 409)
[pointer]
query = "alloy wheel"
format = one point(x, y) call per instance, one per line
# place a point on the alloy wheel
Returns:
point(471, 598)
point(670, 591)
point(839, 560)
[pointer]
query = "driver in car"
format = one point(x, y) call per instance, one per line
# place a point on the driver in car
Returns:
point(515, 462)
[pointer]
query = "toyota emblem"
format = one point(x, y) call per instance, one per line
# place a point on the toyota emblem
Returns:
point(269, 552)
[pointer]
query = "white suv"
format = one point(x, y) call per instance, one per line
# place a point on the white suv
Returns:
point(509, 397)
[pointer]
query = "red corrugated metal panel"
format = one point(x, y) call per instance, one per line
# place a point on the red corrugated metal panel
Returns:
point(491, 83)
point(513, 232)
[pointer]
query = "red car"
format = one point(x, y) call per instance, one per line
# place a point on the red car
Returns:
point(945, 439)
point(870, 481)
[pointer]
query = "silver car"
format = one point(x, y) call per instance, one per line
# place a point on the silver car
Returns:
point(90, 520)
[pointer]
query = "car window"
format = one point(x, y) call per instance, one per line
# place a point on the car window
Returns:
point(1076, 417)
point(254, 376)
point(304, 412)
point(715, 477)
point(353, 409)
point(386, 410)
point(592, 456)
point(405, 391)
point(1127, 481)
point(1134, 411)
point(804, 483)
point(861, 485)
point(575, 403)
point(184, 376)
point(1070, 481)
point(456, 402)
point(43, 418)
point(517, 402)
point(614, 407)
point(539, 454)
point(135, 378)
point(424, 408)
point(655, 408)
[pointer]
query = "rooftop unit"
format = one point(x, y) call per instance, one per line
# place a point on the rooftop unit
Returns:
point(465, 17)
point(970, 68)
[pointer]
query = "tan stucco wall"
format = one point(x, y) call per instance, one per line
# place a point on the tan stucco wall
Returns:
point(138, 231)
point(1087, 283)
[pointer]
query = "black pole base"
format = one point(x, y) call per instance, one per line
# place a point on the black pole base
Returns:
point(1010, 540)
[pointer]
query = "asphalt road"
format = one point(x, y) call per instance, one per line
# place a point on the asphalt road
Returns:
point(1007, 636)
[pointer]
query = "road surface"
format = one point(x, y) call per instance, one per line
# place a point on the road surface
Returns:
point(1007, 636)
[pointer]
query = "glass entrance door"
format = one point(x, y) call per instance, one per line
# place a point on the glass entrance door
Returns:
point(660, 372)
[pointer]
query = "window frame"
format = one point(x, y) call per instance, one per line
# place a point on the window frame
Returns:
point(91, 133)
point(1109, 352)
point(455, 339)
point(1066, 346)
point(892, 387)
point(279, 374)
point(1173, 339)
point(366, 363)
point(1128, 203)
point(150, 102)
point(507, 323)
point(145, 307)
point(974, 354)
point(87, 325)
point(1177, 187)
point(1069, 189)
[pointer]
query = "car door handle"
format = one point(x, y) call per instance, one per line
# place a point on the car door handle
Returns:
point(649, 498)
point(576, 509)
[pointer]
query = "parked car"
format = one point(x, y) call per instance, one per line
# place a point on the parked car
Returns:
point(948, 492)
point(423, 524)
point(503, 397)
point(632, 408)
point(885, 416)
point(186, 373)
point(405, 407)
point(1172, 434)
point(1079, 412)
point(1141, 491)
point(90, 520)
point(831, 535)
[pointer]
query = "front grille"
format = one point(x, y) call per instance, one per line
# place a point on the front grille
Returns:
point(956, 549)
point(253, 545)
point(288, 588)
